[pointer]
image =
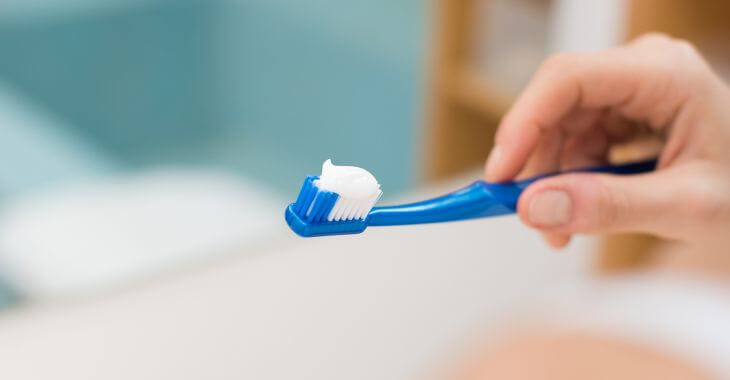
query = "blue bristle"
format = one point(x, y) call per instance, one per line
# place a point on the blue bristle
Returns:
point(313, 205)
point(306, 186)
point(309, 195)
point(323, 204)
point(327, 208)
point(316, 208)
point(308, 215)
point(328, 201)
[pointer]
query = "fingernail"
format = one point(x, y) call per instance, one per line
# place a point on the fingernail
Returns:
point(550, 208)
point(493, 161)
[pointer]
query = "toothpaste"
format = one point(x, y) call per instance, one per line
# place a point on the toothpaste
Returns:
point(358, 191)
point(348, 182)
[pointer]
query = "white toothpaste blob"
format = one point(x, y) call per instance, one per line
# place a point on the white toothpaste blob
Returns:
point(347, 181)
point(358, 190)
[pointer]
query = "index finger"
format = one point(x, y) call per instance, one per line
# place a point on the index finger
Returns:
point(616, 78)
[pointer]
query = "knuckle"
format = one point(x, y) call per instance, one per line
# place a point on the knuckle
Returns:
point(684, 46)
point(557, 63)
point(613, 204)
point(666, 44)
point(686, 53)
point(674, 58)
point(705, 205)
point(654, 38)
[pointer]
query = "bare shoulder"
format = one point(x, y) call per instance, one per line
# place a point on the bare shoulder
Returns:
point(552, 356)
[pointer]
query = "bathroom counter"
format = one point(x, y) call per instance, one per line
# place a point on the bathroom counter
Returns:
point(387, 304)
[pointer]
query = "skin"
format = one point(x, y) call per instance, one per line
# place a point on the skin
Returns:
point(578, 106)
point(546, 356)
point(575, 111)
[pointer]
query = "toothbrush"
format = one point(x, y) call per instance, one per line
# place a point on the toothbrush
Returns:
point(327, 206)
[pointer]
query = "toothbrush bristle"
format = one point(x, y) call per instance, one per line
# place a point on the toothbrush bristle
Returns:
point(353, 209)
point(317, 206)
point(313, 205)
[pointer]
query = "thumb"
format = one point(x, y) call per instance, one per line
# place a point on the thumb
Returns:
point(661, 203)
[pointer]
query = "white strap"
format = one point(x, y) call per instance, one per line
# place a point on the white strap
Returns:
point(687, 317)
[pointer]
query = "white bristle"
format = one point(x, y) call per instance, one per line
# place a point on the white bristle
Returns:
point(348, 211)
point(367, 205)
point(357, 191)
point(363, 206)
point(351, 209)
point(337, 210)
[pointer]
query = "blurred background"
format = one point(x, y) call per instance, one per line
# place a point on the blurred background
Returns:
point(149, 147)
point(239, 97)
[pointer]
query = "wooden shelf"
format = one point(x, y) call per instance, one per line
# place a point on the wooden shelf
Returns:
point(476, 93)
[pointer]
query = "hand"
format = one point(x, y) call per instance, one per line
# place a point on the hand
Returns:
point(578, 106)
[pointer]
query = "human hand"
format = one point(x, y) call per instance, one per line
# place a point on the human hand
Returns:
point(578, 106)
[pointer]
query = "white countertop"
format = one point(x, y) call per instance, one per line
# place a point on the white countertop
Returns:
point(392, 303)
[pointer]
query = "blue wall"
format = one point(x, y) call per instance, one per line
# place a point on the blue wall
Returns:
point(308, 80)
point(268, 88)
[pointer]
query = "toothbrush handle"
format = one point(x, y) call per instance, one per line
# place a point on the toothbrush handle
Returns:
point(478, 200)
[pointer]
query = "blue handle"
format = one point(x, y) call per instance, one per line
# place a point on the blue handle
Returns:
point(478, 200)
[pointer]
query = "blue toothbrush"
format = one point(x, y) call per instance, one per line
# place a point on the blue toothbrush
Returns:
point(308, 216)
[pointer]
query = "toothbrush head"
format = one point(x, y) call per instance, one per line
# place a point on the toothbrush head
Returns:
point(308, 215)
point(336, 203)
